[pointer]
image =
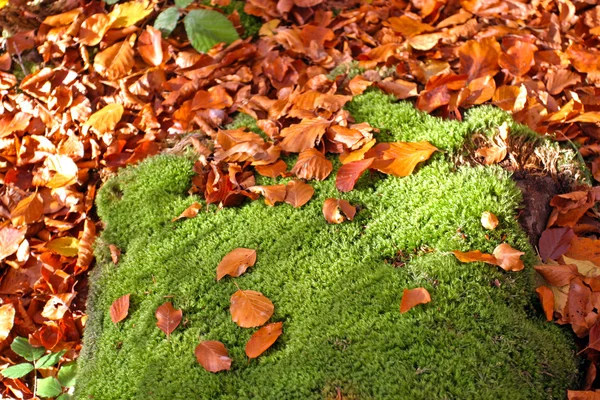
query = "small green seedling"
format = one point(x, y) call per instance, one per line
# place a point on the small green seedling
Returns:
point(45, 387)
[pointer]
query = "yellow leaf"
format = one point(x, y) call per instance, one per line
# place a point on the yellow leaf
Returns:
point(130, 13)
point(104, 120)
point(64, 168)
point(3, 3)
point(65, 246)
point(7, 320)
point(268, 28)
point(115, 61)
point(585, 268)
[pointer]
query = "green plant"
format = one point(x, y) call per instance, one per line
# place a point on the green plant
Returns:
point(45, 387)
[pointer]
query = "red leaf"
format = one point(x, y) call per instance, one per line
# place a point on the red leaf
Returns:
point(332, 208)
point(213, 356)
point(413, 297)
point(312, 164)
point(168, 318)
point(348, 174)
point(119, 309)
point(547, 299)
point(250, 309)
point(298, 193)
point(262, 339)
point(236, 262)
point(555, 242)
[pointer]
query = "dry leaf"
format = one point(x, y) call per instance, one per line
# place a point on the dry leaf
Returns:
point(475, 256)
point(312, 164)
point(337, 211)
point(106, 119)
point(57, 306)
point(213, 356)
point(413, 297)
point(250, 309)
point(303, 136)
point(115, 61)
point(93, 29)
point(63, 171)
point(489, 220)
point(508, 258)
point(127, 14)
point(272, 170)
point(273, 194)
point(547, 300)
point(236, 262)
point(298, 193)
point(263, 338)
point(119, 309)
point(7, 320)
point(168, 318)
point(348, 174)
point(85, 250)
point(28, 210)
point(189, 212)
point(558, 275)
point(399, 158)
point(67, 246)
point(555, 242)
point(10, 239)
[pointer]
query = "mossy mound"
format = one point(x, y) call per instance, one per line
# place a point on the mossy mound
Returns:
point(337, 288)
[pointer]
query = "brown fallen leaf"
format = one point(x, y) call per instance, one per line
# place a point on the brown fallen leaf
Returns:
point(312, 164)
point(399, 158)
point(348, 174)
point(250, 309)
point(85, 251)
point(298, 193)
point(213, 356)
point(236, 262)
point(273, 194)
point(492, 155)
point(547, 300)
point(263, 338)
point(189, 212)
point(489, 220)
point(10, 239)
point(332, 208)
point(106, 119)
point(558, 275)
point(413, 297)
point(168, 318)
point(7, 320)
point(509, 259)
point(115, 253)
point(119, 309)
point(475, 256)
point(57, 306)
point(28, 210)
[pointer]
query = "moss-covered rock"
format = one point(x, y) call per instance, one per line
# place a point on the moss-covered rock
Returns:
point(337, 288)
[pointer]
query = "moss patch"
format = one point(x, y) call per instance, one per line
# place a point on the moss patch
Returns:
point(335, 287)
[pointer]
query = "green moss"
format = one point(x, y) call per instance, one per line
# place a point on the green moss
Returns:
point(250, 23)
point(335, 287)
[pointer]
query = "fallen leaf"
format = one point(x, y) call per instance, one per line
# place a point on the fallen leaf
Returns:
point(10, 124)
point(115, 253)
point(489, 220)
point(28, 210)
point(63, 169)
point(303, 136)
point(263, 338)
point(358, 85)
point(547, 300)
point(399, 158)
point(582, 248)
point(332, 208)
point(492, 155)
point(189, 212)
point(555, 242)
point(94, 28)
point(312, 164)
point(356, 155)
point(585, 267)
point(213, 356)
point(115, 61)
point(413, 297)
point(348, 174)
point(508, 258)
point(57, 306)
point(475, 256)
point(127, 14)
point(7, 320)
point(273, 194)
point(67, 246)
point(558, 275)
point(479, 58)
point(85, 250)
point(236, 262)
point(250, 309)
point(583, 395)
point(168, 318)
point(272, 170)
point(119, 309)
point(298, 193)
point(106, 119)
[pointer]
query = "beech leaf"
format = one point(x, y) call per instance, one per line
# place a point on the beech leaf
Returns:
point(167, 20)
point(168, 318)
point(28, 210)
point(7, 320)
point(413, 297)
point(509, 259)
point(106, 119)
point(337, 211)
point(189, 212)
point(489, 220)
point(312, 164)
point(85, 250)
point(273, 194)
point(348, 174)
point(475, 256)
point(400, 158)
point(64, 171)
point(67, 246)
point(298, 193)
point(115, 61)
point(547, 300)
point(250, 309)
point(127, 14)
point(119, 309)
point(236, 262)
point(213, 356)
point(263, 338)
point(558, 275)
point(555, 242)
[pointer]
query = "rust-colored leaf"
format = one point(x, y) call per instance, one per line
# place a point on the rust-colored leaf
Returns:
point(57, 306)
point(492, 155)
point(413, 297)
point(85, 253)
point(213, 356)
point(272, 170)
point(119, 309)
point(508, 258)
point(348, 174)
point(475, 256)
point(106, 119)
point(10, 124)
point(115, 61)
point(263, 338)
point(236, 262)
point(400, 158)
point(168, 318)
point(10, 239)
point(547, 300)
point(555, 242)
point(358, 85)
point(250, 309)
point(298, 193)
point(7, 320)
point(518, 58)
point(303, 136)
point(189, 212)
point(479, 58)
point(273, 194)
point(337, 211)
point(583, 248)
point(312, 164)
point(489, 220)
point(94, 28)
point(28, 210)
point(558, 275)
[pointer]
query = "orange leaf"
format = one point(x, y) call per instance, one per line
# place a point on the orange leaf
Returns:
point(518, 58)
point(272, 170)
point(479, 58)
point(115, 61)
point(213, 356)
point(273, 193)
point(475, 256)
point(119, 309)
point(236, 262)
point(189, 212)
point(558, 275)
point(150, 46)
point(168, 318)
point(63, 171)
point(298, 193)
point(263, 338)
point(58, 305)
point(302, 136)
point(93, 29)
point(250, 309)
point(489, 220)
point(407, 26)
point(18, 122)
point(312, 164)
point(115, 253)
point(348, 174)
point(357, 155)
point(7, 320)
point(28, 210)
point(106, 119)
point(492, 155)
point(508, 258)
point(583, 59)
point(400, 158)
point(583, 395)
point(358, 85)
point(332, 208)
point(510, 98)
point(10, 239)
point(85, 252)
point(413, 297)
point(547, 299)
point(582, 248)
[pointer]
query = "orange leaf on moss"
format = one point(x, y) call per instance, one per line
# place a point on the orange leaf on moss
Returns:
point(413, 297)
